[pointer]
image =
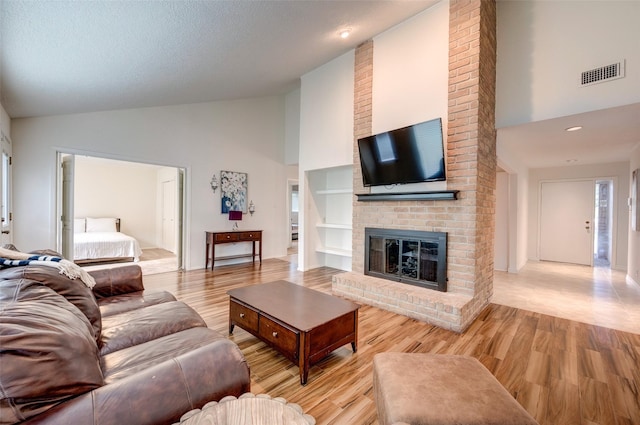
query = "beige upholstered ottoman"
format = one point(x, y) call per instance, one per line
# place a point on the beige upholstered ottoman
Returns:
point(430, 389)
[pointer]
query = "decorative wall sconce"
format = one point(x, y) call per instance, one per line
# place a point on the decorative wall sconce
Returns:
point(214, 183)
point(252, 208)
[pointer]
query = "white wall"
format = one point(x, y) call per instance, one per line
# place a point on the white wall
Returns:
point(619, 171)
point(292, 128)
point(518, 205)
point(501, 239)
point(544, 46)
point(411, 71)
point(243, 135)
point(5, 122)
point(633, 267)
point(326, 115)
point(126, 190)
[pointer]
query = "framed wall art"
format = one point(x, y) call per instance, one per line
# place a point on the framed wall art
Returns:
point(233, 188)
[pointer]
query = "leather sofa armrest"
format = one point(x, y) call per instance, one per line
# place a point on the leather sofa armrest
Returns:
point(160, 394)
point(117, 281)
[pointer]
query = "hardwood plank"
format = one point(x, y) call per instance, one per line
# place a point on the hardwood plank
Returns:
point(561, 371)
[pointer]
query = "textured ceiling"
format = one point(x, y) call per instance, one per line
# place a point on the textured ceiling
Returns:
point(60, 57)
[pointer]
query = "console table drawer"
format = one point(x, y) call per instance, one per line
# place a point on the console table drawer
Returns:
point(243, 316)
point(227, 237)
point(283, 338)
point(249, 236)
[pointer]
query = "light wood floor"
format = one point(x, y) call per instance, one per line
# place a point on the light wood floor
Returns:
point(561, 371)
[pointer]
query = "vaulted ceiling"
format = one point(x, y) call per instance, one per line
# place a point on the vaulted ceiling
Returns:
point(60, 57)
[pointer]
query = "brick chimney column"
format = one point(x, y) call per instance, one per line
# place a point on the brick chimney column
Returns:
point(471, 135)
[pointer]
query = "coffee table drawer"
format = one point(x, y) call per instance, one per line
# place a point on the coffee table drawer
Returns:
point(245, 317)
point(283, 338)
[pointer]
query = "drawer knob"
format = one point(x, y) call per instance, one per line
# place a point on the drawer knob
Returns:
point(275, 334)
point(242, 315)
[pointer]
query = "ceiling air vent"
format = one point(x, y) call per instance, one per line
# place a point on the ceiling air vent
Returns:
point(602, 74)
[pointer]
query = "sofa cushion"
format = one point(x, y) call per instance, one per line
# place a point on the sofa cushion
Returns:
point(129, 361)
point(48, 350)
point(139, 326)
point(161, 392)
point(133, 301)
point(117, 281)
point(74, 290)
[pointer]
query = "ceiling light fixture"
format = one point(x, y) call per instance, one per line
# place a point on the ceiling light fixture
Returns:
point(576, 128)
point(571, 161)
point(345, 33)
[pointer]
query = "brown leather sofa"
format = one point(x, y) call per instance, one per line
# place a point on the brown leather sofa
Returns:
point(117, 354)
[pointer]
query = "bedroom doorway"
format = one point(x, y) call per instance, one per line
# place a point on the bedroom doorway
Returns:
point(293, 208)
point(147, 200)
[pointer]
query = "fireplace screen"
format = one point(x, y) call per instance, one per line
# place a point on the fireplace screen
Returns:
point(413, 257)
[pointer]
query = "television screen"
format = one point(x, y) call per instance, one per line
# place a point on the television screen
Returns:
point(410, 154)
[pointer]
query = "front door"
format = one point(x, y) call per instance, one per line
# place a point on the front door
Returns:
point(566, 221)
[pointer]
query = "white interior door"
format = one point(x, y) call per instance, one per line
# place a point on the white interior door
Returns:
point(566, 221)
point(169, 215)
point(67, 206)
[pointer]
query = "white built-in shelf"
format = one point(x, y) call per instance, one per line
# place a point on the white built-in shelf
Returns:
point(334, 191)
point(334, 226)
point(335, 251)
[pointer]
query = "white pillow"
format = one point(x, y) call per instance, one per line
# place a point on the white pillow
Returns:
point(79, 225)
point(101, 224)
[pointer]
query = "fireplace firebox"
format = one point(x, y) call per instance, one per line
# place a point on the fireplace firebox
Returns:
point(408, 256)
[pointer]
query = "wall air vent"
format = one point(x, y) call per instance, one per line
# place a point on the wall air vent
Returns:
point(602, 74)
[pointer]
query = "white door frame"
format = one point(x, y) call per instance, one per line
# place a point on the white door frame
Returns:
point(182, 247)
point(290, 184)
point(6, 227)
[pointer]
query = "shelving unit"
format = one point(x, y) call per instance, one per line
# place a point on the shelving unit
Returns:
point(330, 215)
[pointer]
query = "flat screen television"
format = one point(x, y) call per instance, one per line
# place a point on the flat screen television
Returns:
point(410, 154)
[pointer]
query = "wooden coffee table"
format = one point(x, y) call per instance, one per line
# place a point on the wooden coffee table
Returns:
point(303, 324)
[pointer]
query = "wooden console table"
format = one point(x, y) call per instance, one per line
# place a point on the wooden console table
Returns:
point(215, 238)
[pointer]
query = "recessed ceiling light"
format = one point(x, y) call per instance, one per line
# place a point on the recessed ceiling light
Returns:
point(345, 33)
point(576, 128)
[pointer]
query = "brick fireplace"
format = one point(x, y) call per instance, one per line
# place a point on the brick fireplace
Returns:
point(471, 169)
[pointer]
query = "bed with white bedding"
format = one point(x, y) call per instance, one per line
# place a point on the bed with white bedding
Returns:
point(100, 239)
